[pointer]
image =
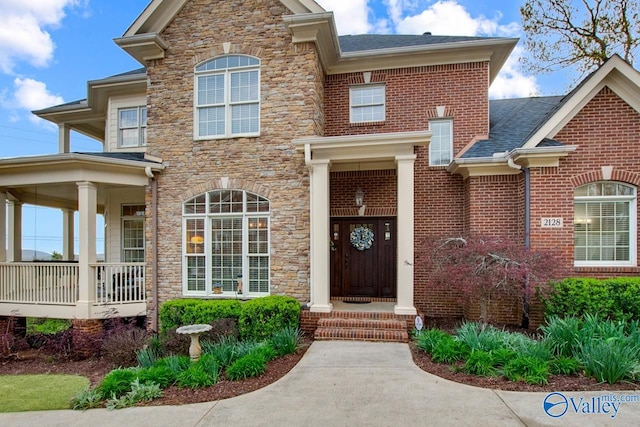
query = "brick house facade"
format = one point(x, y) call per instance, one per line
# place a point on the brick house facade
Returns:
point(248, 204)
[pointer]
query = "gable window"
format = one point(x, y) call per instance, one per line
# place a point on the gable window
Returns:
point(226, 244)
point(132, 127)
point(367, 103)
point(132, 233)
point(441, 146)
point(604, 227)
point(227, 97)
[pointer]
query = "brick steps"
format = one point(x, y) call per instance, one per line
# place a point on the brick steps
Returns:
point(360, 327)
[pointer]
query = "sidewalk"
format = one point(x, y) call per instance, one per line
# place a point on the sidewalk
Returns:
point(344, 383)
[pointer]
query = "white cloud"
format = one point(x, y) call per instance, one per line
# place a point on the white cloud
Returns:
point(511, 83)
point(352, 16)
point(30, 95)
point(23, 31)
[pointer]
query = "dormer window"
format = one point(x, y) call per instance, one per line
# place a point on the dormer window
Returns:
point(132, 127)
point(367, 103)
point(227, 97)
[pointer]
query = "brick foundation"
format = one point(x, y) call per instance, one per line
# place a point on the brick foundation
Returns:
point(86, 337)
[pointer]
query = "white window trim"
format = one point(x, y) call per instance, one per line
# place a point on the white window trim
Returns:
point(384, 103)
point(123, 218)
point(142, 142)
point(448, 120)
point(633, 229)
point(207, 217)
point(227, 102)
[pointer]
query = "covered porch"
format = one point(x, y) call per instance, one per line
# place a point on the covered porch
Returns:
point(78, 286)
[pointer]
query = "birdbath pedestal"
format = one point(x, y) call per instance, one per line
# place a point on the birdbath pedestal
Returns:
point(194, 332)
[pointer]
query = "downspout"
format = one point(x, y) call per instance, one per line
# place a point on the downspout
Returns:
point(527, 236)
point(154, 249)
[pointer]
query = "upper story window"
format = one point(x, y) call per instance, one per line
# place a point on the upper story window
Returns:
point(227, 97)
point(604, 224)
point(441, 146)
point(367, 103)
point(132, 127)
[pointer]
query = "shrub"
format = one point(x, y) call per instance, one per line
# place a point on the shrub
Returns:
point(609, 360)
point(564, 366)
point(119, 348)
point(46, 326)
point(172, 342)
point(250, 365)
point(481, 336)
point(87, 399)
point(617, 298)
point(159, 374)
point(224, 350)
point(117, 382)
point(260, 318)
point(562, 335)
point(427, 339)
point(449, 350)
point(195, 377)
point(529, 369)
point(480, 363)
point(180, 312)
point(286, 340)
point(175, 363)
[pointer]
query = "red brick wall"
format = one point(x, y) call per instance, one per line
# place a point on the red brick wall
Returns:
point(607, 133)
point(379, 188)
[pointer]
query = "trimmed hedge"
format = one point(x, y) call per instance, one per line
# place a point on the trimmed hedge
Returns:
point(257, 319)
point(262, 317)
point(616, 299)
point(180, 312)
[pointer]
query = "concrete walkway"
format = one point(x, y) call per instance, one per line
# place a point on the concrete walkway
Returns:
point(343, 383)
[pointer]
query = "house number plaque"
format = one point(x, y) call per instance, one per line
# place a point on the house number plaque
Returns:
point(551, 222)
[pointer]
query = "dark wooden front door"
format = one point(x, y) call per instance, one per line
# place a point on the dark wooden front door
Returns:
point(365, 273)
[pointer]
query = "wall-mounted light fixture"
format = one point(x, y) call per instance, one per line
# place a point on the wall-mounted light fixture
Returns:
point(359, 197)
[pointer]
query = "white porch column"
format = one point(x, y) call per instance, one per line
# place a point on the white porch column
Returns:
point(64, 138)
point(320, 287)
point(3, 226)
point(405, 184)
point(67, 234)
point(87, 205)
point(14, 253)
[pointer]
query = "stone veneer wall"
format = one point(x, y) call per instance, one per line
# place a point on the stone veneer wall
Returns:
point(291, 107)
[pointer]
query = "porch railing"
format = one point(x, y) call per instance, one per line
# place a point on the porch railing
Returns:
point(119, 282)
point(39, 283)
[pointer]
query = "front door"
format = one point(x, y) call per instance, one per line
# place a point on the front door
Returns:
point(363, 257)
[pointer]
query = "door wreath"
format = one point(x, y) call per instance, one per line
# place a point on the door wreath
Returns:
point(361, 238)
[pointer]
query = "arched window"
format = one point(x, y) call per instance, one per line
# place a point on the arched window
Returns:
point(227, 97)
point(604, 224)
point(226, 244)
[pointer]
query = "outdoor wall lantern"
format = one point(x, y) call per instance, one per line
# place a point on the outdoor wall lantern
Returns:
point(359, 197)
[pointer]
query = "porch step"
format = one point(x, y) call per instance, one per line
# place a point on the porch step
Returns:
point(362, 329)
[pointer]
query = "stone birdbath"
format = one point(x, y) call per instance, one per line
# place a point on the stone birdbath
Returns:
point(194, 331)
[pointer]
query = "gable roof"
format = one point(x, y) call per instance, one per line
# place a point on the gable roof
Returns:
point(366, 42)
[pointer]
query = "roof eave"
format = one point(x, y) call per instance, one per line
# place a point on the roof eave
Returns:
point(143, 47)
point(62, 158)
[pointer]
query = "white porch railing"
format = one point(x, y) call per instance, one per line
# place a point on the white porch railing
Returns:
point(118, 283)
point(39, 283)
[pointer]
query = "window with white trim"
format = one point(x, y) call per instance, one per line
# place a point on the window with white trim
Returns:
point(227, 97)
point(604, 224)
point(132, 127)
point(132, 233)
point(226, 244)
point(441, 145)
point(367, 103)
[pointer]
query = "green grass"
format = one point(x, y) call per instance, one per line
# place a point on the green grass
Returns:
point(19, 393)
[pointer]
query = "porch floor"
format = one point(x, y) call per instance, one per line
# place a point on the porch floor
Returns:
point(369, 307)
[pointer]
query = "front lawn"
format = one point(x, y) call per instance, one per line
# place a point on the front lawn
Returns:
point(20, 393)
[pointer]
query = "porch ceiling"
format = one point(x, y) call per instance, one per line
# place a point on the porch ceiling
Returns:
point(51, 181)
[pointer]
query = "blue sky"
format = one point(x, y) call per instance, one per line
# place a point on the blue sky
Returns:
point(49, 49)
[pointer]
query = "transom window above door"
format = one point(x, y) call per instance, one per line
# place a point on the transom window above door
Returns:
point(226, 244)
point(227, 97)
